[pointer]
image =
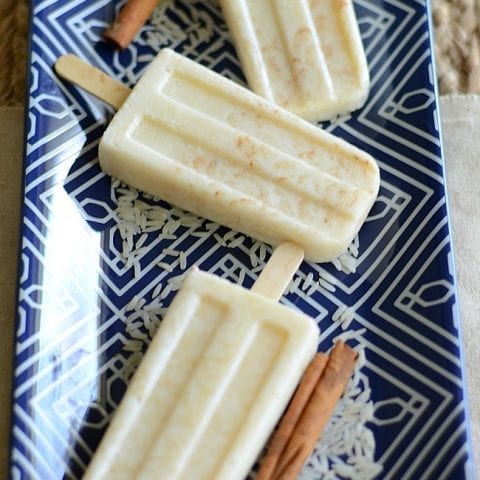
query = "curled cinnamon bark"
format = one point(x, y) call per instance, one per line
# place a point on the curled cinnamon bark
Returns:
point(286, 463)
point(129, 21)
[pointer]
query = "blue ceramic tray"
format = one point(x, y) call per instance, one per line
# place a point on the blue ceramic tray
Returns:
point(89, 301)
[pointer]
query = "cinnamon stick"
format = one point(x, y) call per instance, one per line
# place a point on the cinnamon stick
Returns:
point(318, 410)
point(131, 18)
point(292, 414)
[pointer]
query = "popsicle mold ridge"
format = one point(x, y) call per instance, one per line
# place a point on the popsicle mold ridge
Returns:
point(210, 146)
point(305, 55)
point(211, 387)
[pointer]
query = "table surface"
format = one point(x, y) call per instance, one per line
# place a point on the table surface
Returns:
point(13, 30)
point(458, 68)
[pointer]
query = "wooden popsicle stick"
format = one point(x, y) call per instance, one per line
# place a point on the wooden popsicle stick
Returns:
point(286, 258)
point(91, 79)
point(278, 271)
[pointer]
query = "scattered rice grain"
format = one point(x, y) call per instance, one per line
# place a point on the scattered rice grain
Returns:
point(128, 193)
point(229, 235)
point(212, 226)
point(343, 470)
point(350, 335)
point(135, 303)
point(138, 335)
point(254, 260)
point(361, 359)
point(336, 263)
point(200, 234)
point(125, 250)
point(164, 236)
point(176, 281)
point(327, 276)
point(327, 286)
point(141, 251)
point(294, 284)
point(308, 281)
point(346, 318)
point(183, 260)
point(152, 228)
point(131, 326)
point(353, 251)
point(133, 345)
point(165, 266)
point(157, 290)
point(129, 263)
point(166, 292)
point(171, 226)
point(137, 268)
point(170, 251)
point(140, 204)
point(349, 263)
point(157, 213)
point(153, 308)
point(312, 290)
point(338, 313)
point(257, 269)
point(236, 242)
point(126, 213)
point(263, 252)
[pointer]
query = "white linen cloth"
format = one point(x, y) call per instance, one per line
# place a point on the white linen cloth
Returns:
point(460, 120)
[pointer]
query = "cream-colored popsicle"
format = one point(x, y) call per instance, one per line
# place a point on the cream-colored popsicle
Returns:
point(208, 145)
point(305, 55)
point(210, 389)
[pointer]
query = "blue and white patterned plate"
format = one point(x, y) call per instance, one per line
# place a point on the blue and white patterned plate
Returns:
point(91, 292)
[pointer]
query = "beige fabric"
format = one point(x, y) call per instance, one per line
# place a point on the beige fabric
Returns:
point(461, 128)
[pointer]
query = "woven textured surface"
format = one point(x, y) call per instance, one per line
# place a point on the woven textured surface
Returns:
point(13, 32)
point(457, 45)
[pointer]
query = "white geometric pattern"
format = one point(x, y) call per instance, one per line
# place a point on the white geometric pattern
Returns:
point(89, 300)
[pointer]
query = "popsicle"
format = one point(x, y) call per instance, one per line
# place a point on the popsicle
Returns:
point(210, 146)
point(213, 383)
point(307, 56)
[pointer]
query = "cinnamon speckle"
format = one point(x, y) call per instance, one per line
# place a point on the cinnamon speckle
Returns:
point(303, 31)
point(342, 4)
point(198, 162)
point(309, 155)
